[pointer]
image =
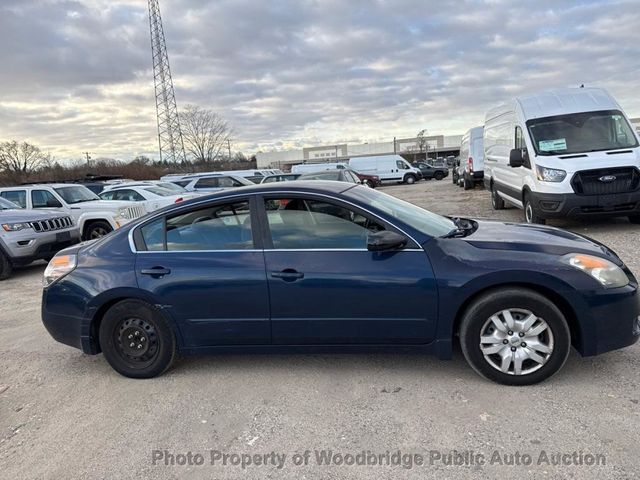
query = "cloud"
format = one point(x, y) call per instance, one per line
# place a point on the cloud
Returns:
point(76, 74)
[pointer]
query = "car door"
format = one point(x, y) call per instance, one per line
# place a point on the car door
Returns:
point(202, 264)
point(327, 288)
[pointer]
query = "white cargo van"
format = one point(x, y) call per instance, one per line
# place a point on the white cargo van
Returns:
point(390, 168)
point(316, 167)
point(472, 158)
point(563, 153)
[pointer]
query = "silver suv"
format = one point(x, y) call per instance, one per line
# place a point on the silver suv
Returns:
point(28, 235)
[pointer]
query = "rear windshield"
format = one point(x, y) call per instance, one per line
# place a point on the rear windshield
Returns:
point(581, 133)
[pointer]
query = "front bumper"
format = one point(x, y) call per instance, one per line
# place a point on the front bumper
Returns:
point(609, 320)
point(26, 246)
point(554, 205)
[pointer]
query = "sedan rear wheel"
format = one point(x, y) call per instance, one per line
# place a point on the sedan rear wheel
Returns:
point(136, 339)
point(515, 336)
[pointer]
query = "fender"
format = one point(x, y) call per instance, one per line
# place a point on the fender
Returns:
point(91, 216)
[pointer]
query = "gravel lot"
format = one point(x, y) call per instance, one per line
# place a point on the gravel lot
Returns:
point(67, 415)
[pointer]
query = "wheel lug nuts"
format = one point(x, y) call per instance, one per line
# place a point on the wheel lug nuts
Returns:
point(523, 344)
point(505, 341)
point(513, 349)
point(132, 344)
point(130, 337)
point(521, 334)
point(137, 333)
point(510, 332)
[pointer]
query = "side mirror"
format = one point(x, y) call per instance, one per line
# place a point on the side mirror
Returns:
point(385, 240)
point(517, 157)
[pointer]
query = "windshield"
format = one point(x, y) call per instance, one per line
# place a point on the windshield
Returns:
point(581, 132)
point(161, 192)
point(7, 205)
point(427, 222)
point(76, 194)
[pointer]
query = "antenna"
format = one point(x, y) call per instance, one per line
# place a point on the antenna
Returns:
point(169, 132)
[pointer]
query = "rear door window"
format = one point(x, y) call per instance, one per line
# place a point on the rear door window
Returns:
point(19, 197)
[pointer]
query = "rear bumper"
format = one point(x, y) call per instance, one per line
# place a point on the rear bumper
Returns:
point(572, 205)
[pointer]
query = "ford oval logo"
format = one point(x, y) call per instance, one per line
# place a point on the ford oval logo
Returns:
point(607, 178)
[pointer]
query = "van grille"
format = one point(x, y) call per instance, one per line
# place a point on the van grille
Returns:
point(134, 211)
point(606, 181)
point(59, 223)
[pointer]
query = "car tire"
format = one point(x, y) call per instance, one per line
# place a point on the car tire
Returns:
point(96, 230)
point(410, 179)
point(531, 216)
point(634, 219)
point(467, 184)
point(484, 329)
point(151, 344)
point(368, 183)
point(496, 200)
point(6, 268)
point(438, 176)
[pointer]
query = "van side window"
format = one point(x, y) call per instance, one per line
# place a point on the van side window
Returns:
point(520, 143)
point(401, 165)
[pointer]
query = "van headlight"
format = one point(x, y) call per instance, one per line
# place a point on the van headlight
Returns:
point(607, 273)
point(58, 267)
point(550, 174)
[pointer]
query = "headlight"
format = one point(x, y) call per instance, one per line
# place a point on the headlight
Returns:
point(58, 267)
point(550, 174)
point(14, 227)
point(607, 273)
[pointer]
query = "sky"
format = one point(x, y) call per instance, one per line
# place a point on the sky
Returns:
point(76, 75)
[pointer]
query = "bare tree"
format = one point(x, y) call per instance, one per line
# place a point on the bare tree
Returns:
point(421, 141)
point(22, 158)
point(205, 133)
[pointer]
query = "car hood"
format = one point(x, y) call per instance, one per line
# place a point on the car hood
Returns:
point(22, 215)
point(535, 238)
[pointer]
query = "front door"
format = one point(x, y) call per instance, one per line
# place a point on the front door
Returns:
point(203, 267)
point(327, 288)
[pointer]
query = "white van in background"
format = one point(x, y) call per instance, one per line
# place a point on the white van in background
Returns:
point(563, 153)
point(316, 167)
point(390, 168)
point(472, 158)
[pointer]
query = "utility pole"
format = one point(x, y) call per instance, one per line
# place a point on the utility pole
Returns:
point(394, 145)
point(229, 147)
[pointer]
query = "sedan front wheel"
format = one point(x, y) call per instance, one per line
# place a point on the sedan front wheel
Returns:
point(515, 336)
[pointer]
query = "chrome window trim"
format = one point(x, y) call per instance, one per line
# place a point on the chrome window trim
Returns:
point(132, 245)
point(266, 250)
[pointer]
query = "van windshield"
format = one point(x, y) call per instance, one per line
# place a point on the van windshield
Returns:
point(581, 133)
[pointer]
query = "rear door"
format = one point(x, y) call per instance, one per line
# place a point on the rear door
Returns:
point(327, 288)
point(206, 269)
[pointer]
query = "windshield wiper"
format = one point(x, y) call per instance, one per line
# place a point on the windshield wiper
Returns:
point(463, 228)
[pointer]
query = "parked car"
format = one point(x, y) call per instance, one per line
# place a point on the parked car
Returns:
point(151, 196)
point(27, 235)
point(563, 153)
point(214, 183)
point(371, 181)
point(329, 266)
point(472, 154)
point(317, 167)
point(283, 177)
point(93, 216)
point(342, 175)
point(388, 168)
point(429, 171)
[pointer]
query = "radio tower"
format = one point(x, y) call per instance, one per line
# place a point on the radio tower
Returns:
point(169, 132)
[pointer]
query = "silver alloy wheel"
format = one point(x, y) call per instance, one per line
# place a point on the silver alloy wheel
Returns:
point(516, 341)
point(528, 212)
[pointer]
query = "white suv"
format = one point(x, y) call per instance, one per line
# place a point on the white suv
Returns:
point(93, 216)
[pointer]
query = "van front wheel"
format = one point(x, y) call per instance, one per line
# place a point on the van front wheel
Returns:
point(410, 179)
point(530, 214)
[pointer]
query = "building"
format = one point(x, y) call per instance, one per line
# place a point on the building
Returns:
point(636, 123)
point(433, 146)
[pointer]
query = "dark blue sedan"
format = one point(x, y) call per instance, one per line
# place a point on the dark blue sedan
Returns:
point(329, 266)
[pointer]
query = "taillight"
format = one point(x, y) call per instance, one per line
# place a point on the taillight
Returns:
point(470, 163)
point(179, 199)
